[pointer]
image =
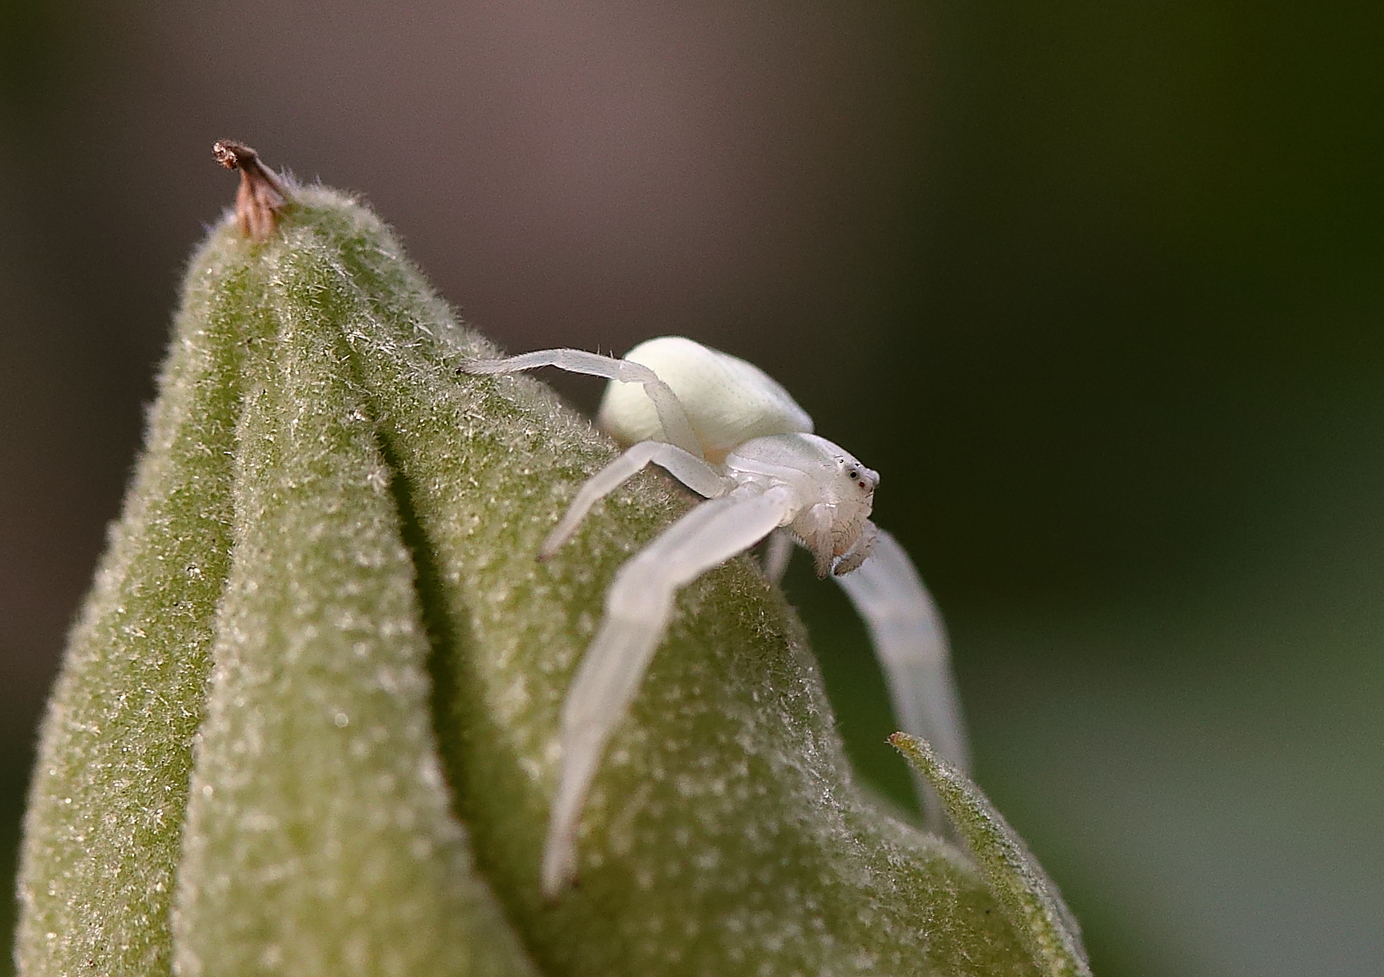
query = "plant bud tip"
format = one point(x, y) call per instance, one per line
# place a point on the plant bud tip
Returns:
point(261, 194)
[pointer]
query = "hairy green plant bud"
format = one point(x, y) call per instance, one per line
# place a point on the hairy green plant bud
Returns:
point(306, 722)
point(1028, 896)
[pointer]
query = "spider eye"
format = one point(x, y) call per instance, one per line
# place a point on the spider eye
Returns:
point(853, 475)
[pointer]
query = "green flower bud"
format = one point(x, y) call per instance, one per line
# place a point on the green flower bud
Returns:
point(306, 720)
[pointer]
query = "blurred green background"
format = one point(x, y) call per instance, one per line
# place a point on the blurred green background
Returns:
point(1098, 287)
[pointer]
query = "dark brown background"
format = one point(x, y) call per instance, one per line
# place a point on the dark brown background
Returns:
point(1098, 287)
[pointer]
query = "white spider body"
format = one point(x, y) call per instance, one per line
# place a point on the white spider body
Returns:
point(729, 432)
point(834, 492)
point(727, 400)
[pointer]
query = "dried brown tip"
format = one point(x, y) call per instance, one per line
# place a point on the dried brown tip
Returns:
point(261, 194)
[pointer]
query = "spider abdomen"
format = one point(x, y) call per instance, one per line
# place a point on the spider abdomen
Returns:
point(728, 400)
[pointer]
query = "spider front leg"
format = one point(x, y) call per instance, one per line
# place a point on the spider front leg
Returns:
point(687, 468)
point(677, 429)
point(778, 551)
point(911, 644)
point(638, 607)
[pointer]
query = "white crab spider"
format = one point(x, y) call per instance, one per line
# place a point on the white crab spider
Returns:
point(729, 432)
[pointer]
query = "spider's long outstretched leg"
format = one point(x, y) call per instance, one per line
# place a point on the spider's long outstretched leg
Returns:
point(638, 607)
point(687, 468)
point(911, 644)
point(677, 429)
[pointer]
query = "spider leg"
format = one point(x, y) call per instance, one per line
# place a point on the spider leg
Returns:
point(638, 607)
point(671, 414)
point(814, 529)
point(777, 552)
point(687, 468)
point(911, 645)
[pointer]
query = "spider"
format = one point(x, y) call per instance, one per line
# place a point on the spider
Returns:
point(730, 433)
